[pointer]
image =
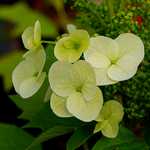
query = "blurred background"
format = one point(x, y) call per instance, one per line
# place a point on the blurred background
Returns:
point(104, 17)
point(15, 16)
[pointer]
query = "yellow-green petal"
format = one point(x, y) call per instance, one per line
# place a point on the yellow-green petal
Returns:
point(58, 106)
point(112, 110)
point(82, 38)
point(37, 33)
point(70, 48)
point(110, 129)
point(99, 126)
point(85, 110)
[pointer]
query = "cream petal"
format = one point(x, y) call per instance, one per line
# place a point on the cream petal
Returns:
point(58, 106)
point(29, 68)
point(85, 110)
point(119, 73)
point(27, 38)
point(31, 85)
point(131, 44)
point(102, 78)
point(97, 60)
point(71, 28)
point(85, 79)
point(23, 71)
point(70, 48)
point(104, 46)
point(37, 58)
point(60, 78)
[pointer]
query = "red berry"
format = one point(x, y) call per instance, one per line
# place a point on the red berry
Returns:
point(139, 20)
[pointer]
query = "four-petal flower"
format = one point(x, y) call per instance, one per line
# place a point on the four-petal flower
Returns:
point(75, 91)
point(115, 60)
point(71, 47)
point(109, 119)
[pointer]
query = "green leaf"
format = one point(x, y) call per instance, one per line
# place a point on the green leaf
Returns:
point(7, 64)
point(125, 140)
point(50, 133)
point(33, 104)
point(80, 136)
point(14, 138)
point(46, 119)
point(22, 16)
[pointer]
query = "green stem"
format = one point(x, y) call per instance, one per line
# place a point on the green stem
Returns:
point(110, 7)
point(47, 94)
point(122, 3)
point(49, 42)
point(85, 146)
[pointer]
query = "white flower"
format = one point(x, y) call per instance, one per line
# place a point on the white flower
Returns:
point(115, 60)
point(28, 77)
point(75, 91)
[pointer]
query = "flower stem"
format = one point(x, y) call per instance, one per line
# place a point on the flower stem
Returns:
point(85, 146)
point(49, 42)
point(110, 6)
point(122, 3)
point(47, 94)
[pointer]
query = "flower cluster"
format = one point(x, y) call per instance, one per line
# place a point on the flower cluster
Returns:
point(74, 83)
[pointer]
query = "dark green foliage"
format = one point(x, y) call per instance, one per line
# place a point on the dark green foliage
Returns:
point(111, 20)
point(14, 138)
point(125, 140)
point(79, 137)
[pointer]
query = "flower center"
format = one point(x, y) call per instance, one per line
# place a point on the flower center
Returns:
point(79, 89)
point(113, 61)
point(69, 44)
point(35, 74)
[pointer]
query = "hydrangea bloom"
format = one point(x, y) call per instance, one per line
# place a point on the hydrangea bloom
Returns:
point(115, 60)
point(28, 77)
point(31, 37)
point(71, 47)
point(109, 119)
point(75, 91)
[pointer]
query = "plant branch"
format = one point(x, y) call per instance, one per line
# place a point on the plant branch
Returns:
point(49, 42)
point(85, 146)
